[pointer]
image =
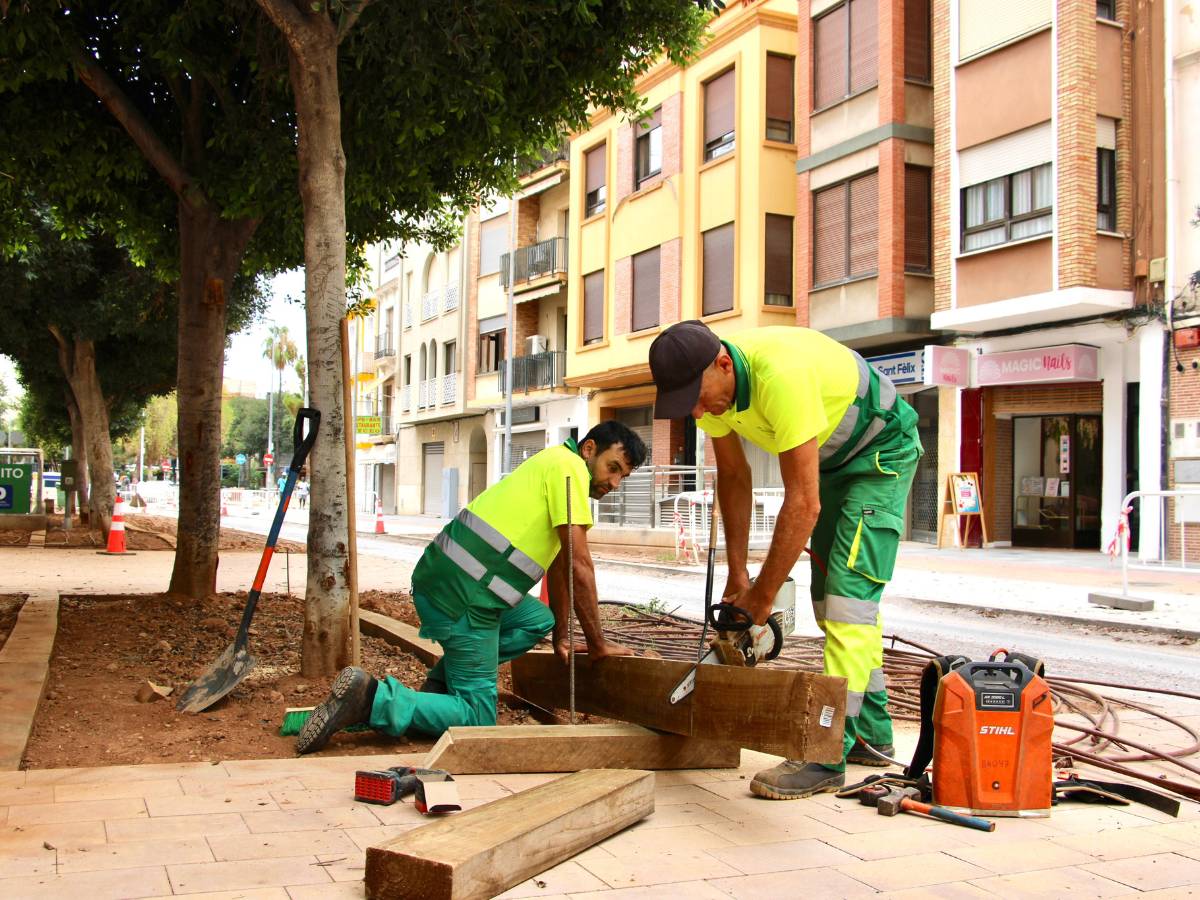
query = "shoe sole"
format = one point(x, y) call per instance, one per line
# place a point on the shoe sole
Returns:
point(771, 792)
point(873, 762)
point(312, 736)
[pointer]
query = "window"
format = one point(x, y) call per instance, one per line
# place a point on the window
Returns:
point(596, 166)
point(918, 65)
point(649, 148)
point(491, 351)
point(780, 97)
point(718, 270)
point(493, 244)
point(1106, 189)
point(1008, 208)
point(449, 366)
point(846, 230)
point(777, 267)
point(645, 290)
point(1106, 9)
point(718, 116)
point(408, 368)
point(593, 307)
point(846, 50)
point(918, 240)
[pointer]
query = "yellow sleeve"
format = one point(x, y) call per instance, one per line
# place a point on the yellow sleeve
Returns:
point(713, 426)
point(556, 493)
point(792, 404)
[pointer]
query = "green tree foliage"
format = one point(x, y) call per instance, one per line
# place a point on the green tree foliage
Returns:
point(247, 427)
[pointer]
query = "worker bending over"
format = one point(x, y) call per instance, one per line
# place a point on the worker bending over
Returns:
point(470, 589)
point(848, 449)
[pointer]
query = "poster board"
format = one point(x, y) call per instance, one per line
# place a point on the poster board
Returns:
point(963, 500)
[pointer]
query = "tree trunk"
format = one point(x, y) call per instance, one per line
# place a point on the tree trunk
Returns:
point(210, 253)
point(322, 162)
point(93, 411)
point(78, 453)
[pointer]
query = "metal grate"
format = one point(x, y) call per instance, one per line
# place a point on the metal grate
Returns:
point(924, 496)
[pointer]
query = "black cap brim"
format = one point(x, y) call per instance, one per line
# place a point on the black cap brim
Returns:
point(677, 402)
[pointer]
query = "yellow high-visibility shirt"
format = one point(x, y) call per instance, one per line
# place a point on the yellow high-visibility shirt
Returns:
point(793, 384)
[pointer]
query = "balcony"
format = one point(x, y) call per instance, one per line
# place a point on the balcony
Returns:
point(429, 304)
point(531, 373)
point(450, 299)
point(561, 153)
point(408, 317)
point(540, 260)
point(406, 398)
point(383, 345)
point(449, 389)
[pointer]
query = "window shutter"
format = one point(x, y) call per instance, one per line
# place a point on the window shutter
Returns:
point(864, 44)
point(645, 290)
point(593, 306)
point(829, 66)
point(864, 225)
point(493, 243)
point(916, 218)
point(778, 268)
point(718, 106)
point(917, 63)
point(829, 234)
point(596, 168)
point(780, 92)
point(718, 269)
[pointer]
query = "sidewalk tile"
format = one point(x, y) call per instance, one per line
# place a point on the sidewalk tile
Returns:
point(230, 876)
point(899, 843)
point(684, 793)
point(865, 820)
point(321, 799)
point(25, 838)
point(309, 819)
point(131, 855)
point(1052, 884)
point(374, 835)
point(28, 862)
point(639, 839)
point(173, 827)
point(681, 814)
point(953, 890)
point(921, 870)
point(1126, 842)
point(1020, 856)
point(1179, 893)
point(1091, 820)
point(744, 833)
point(254, 785)
point(1184, 832)
point(658, 868)
point(684, 776)
point(232, 802)
point(148, 772)
point(481, 787)
point(26, 793)
point(83, 811)
point(297, 843)
point(116, 790)
point(1149, 873)
point(273, 893)
point(693, 890)
point(565, 878)
point(119, 884)
point(784, 857)
point(345, 890)
point(521, 782)
point(731, 790)
point(12, 779)
point(342, 867)
point(789, 886)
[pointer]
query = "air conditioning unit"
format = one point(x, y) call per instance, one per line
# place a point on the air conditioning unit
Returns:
point(537, 343)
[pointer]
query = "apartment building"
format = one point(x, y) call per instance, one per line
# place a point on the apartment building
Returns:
point(1049, 237)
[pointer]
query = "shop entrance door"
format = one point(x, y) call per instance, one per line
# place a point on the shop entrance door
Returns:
point(1056, 481)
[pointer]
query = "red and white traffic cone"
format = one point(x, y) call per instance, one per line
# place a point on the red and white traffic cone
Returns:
point(116, 532)
point(379, 517)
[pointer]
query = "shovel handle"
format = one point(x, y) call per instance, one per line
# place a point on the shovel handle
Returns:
point(302, 441)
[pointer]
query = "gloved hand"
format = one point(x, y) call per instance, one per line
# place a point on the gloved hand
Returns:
point(762, 640)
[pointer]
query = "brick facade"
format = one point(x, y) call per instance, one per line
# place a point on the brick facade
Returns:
point(622, 294)
point(1125, 154)
point(943, 255)
point(529, 210)
point(891, 226)
point(670, 275)
point(1075, 206)
point(662, 449)
point(672, 135)
point(470, 353)
point(1185, 404)
point(625, 143)
point(526, 315)
point(802, 223)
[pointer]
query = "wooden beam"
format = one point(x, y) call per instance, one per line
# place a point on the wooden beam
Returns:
point(797, 715)
point(489, 849)
point(399, 634)
point(568, 748)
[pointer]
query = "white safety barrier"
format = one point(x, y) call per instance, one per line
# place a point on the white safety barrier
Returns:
point(1186, 507)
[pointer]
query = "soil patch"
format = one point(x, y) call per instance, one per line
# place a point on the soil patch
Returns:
point(11, 537)
point(143, 533)
point(108, 647)
point(10, 606)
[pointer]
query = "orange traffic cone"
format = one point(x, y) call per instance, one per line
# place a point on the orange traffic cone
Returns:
point(379, 517)
point(116, 532)
point(545, 594)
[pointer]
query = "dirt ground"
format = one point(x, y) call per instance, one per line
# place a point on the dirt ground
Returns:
point(144, 533)
point(11, 537)
point(108, 647)
point(10, 605)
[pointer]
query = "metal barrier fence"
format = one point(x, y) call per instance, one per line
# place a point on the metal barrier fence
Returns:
point(1185, 508)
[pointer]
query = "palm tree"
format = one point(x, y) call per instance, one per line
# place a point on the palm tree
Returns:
point(302, 374)
point(281, 350)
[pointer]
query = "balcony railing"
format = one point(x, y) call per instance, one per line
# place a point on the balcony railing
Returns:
point(541, 370)
point(450, 300)
point(408, 315)
point(429, 304)
point(406, 398)
point(383, 345)
point(548, 257)
point(449, 389)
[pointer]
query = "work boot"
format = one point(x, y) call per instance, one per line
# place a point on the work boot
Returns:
point(859, 755)
point(795, 780)
point(349, 703)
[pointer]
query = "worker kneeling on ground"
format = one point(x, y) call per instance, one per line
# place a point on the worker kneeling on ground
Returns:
point(848, 450)
point(471, 586)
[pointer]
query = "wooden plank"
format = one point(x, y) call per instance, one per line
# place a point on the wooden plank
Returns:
point(399, 634)
point(568, 748)
point(797, 715)
point(487, 850)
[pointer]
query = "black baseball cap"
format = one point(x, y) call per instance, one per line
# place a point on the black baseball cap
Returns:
point(678, 358)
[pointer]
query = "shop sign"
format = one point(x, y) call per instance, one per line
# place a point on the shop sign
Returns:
point(949, 366)
point(16, 486)
point(901, 368)
point(1063, 363)
point(369, 425)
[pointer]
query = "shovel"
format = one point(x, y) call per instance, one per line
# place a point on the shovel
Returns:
point(236, 662)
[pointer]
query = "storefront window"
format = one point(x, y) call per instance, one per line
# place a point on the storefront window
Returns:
point(1056, 481)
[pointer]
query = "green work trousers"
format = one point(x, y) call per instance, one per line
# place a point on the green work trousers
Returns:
point(467, 668)
point(855, 540)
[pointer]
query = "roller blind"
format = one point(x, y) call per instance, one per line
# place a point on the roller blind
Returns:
point(1106, 132)
point(916, 219)
point(1012, 153)
point(864, 225)
point(780, 93)
point(917, 62)
point(718, 106)
point(493, 243)
point(593, 307)
point(830, 66)
point(983, 24)
point(864, 44)
point(718, 269)
point(595, 168)
point(645, 290)
point(777, 278)
point(829, 234)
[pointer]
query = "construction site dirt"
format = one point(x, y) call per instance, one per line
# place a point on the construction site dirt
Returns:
point(145, 532)
point(10, 605)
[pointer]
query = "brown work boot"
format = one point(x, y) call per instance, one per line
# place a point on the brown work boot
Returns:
point(859, 755)
point(795, 780)
point(349, 703)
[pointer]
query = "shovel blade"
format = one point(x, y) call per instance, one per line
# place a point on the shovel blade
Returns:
point(218, 680)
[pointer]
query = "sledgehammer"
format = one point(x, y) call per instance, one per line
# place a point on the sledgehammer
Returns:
point(905, 800)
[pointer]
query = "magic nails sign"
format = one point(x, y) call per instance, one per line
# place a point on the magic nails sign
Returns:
point(1063, 363)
